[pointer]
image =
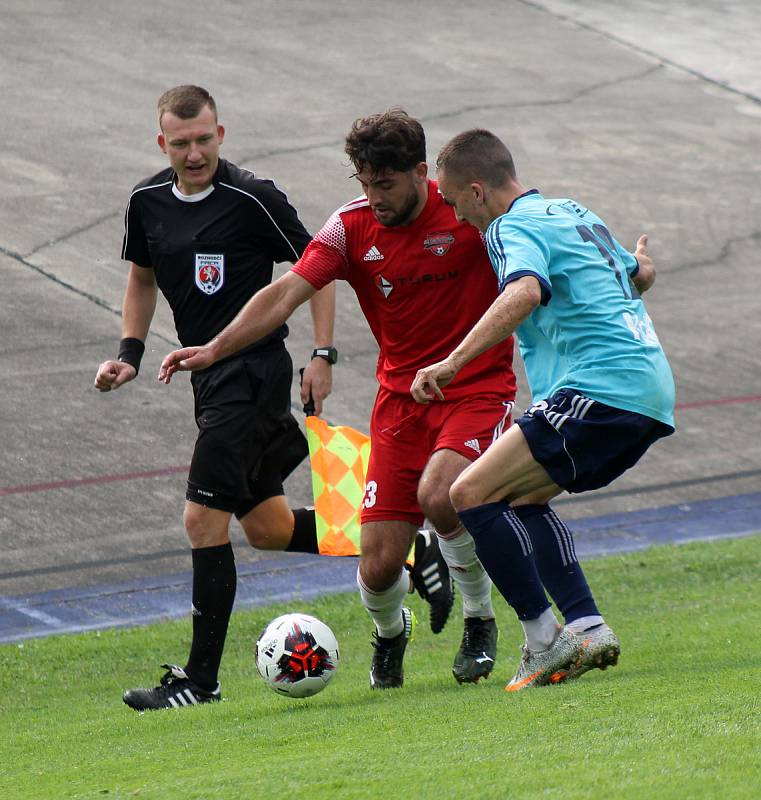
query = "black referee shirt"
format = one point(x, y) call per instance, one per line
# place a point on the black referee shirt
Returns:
point(212, 251)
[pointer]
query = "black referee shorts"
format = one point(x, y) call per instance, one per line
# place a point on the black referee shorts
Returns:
point(248, 440)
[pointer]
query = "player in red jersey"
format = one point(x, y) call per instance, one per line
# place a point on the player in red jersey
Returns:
point(422, 279)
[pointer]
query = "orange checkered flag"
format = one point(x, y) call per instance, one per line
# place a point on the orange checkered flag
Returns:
point(339, 457)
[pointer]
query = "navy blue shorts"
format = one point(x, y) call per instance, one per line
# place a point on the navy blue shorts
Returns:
point(584, 444)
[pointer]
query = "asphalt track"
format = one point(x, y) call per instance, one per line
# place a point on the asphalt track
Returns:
point(651, 116)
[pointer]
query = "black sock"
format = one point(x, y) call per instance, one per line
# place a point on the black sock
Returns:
point(304, 539)
point(556, 562)
point(214, 584)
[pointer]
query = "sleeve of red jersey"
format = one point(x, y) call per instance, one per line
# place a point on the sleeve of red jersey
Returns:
point(324, 259)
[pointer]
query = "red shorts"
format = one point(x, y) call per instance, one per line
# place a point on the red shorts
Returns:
point(405, 435)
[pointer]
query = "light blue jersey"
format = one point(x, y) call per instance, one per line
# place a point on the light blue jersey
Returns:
point(591, 332)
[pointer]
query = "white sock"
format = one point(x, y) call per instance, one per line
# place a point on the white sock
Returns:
point(584, 623)
point(540, 632)
point(459, 551)
point(385, 607)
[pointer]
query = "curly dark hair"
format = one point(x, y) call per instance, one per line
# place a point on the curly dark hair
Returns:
point(389, 140)
point(185, 102)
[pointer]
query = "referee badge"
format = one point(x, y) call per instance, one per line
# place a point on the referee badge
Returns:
point(210, 272)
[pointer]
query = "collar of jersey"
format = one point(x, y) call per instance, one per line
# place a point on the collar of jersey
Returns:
point(520, 197)
point(191, 198)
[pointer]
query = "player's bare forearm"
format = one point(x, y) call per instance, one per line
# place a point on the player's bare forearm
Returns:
point(505, 314)
point(501, 319)
point(645, 276)
point(269, 308)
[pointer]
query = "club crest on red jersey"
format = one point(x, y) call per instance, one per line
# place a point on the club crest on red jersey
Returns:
point(210, 272)
point(438, 243)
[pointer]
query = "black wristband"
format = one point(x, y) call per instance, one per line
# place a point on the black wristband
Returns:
point(131, 352)
point(330, 354)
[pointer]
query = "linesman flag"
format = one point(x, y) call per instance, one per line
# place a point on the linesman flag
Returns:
point(339, 457)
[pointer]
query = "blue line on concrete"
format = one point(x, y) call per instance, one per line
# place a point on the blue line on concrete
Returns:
point(294, 578)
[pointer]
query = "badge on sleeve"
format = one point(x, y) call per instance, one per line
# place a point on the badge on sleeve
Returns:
point(210, 272)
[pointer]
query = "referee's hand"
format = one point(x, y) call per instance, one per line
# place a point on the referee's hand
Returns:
point(186, 360)
point(113, 374)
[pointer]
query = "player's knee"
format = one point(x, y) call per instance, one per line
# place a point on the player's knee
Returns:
point(268, 537)
point(464, 493)
point(434, 502)
point(193, 523)
point(257, 536)
point(269, 526)
point(202, 527)
point(380, 570)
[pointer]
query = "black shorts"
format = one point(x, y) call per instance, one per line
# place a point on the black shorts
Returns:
point(248, 440)
point(584, 444)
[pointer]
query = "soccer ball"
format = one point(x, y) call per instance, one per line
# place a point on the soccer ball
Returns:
point(297, 655)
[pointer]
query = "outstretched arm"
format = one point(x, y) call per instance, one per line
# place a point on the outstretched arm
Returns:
point(269, 308)
point(505, 314)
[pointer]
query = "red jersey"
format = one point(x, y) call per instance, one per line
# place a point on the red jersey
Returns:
point(421, 286)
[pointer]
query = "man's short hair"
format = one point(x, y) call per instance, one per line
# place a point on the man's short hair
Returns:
point(477, 155)
point(186, 102)
point(389, 140)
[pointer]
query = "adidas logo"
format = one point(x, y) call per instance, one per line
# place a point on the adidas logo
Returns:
point(373, 254)
point(473, 445)
point(432, 578)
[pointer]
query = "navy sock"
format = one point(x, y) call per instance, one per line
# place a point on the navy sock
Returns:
point(304, 539)
point(556, 562)
point(504, 548)
point(214, 583)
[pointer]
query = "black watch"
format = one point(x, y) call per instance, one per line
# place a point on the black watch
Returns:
point(330, 354)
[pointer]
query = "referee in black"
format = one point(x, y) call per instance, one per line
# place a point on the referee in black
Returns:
point(206, 233)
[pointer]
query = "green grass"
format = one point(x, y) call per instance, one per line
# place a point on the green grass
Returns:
point(680, 717)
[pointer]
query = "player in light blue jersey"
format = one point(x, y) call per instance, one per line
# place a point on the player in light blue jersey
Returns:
point(602, 393)
point(590, 316)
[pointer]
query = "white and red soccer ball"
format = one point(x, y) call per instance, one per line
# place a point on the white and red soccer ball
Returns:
point(297, 655)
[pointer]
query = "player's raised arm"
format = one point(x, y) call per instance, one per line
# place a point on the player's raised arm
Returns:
point(269, 308)
point(645, 276)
